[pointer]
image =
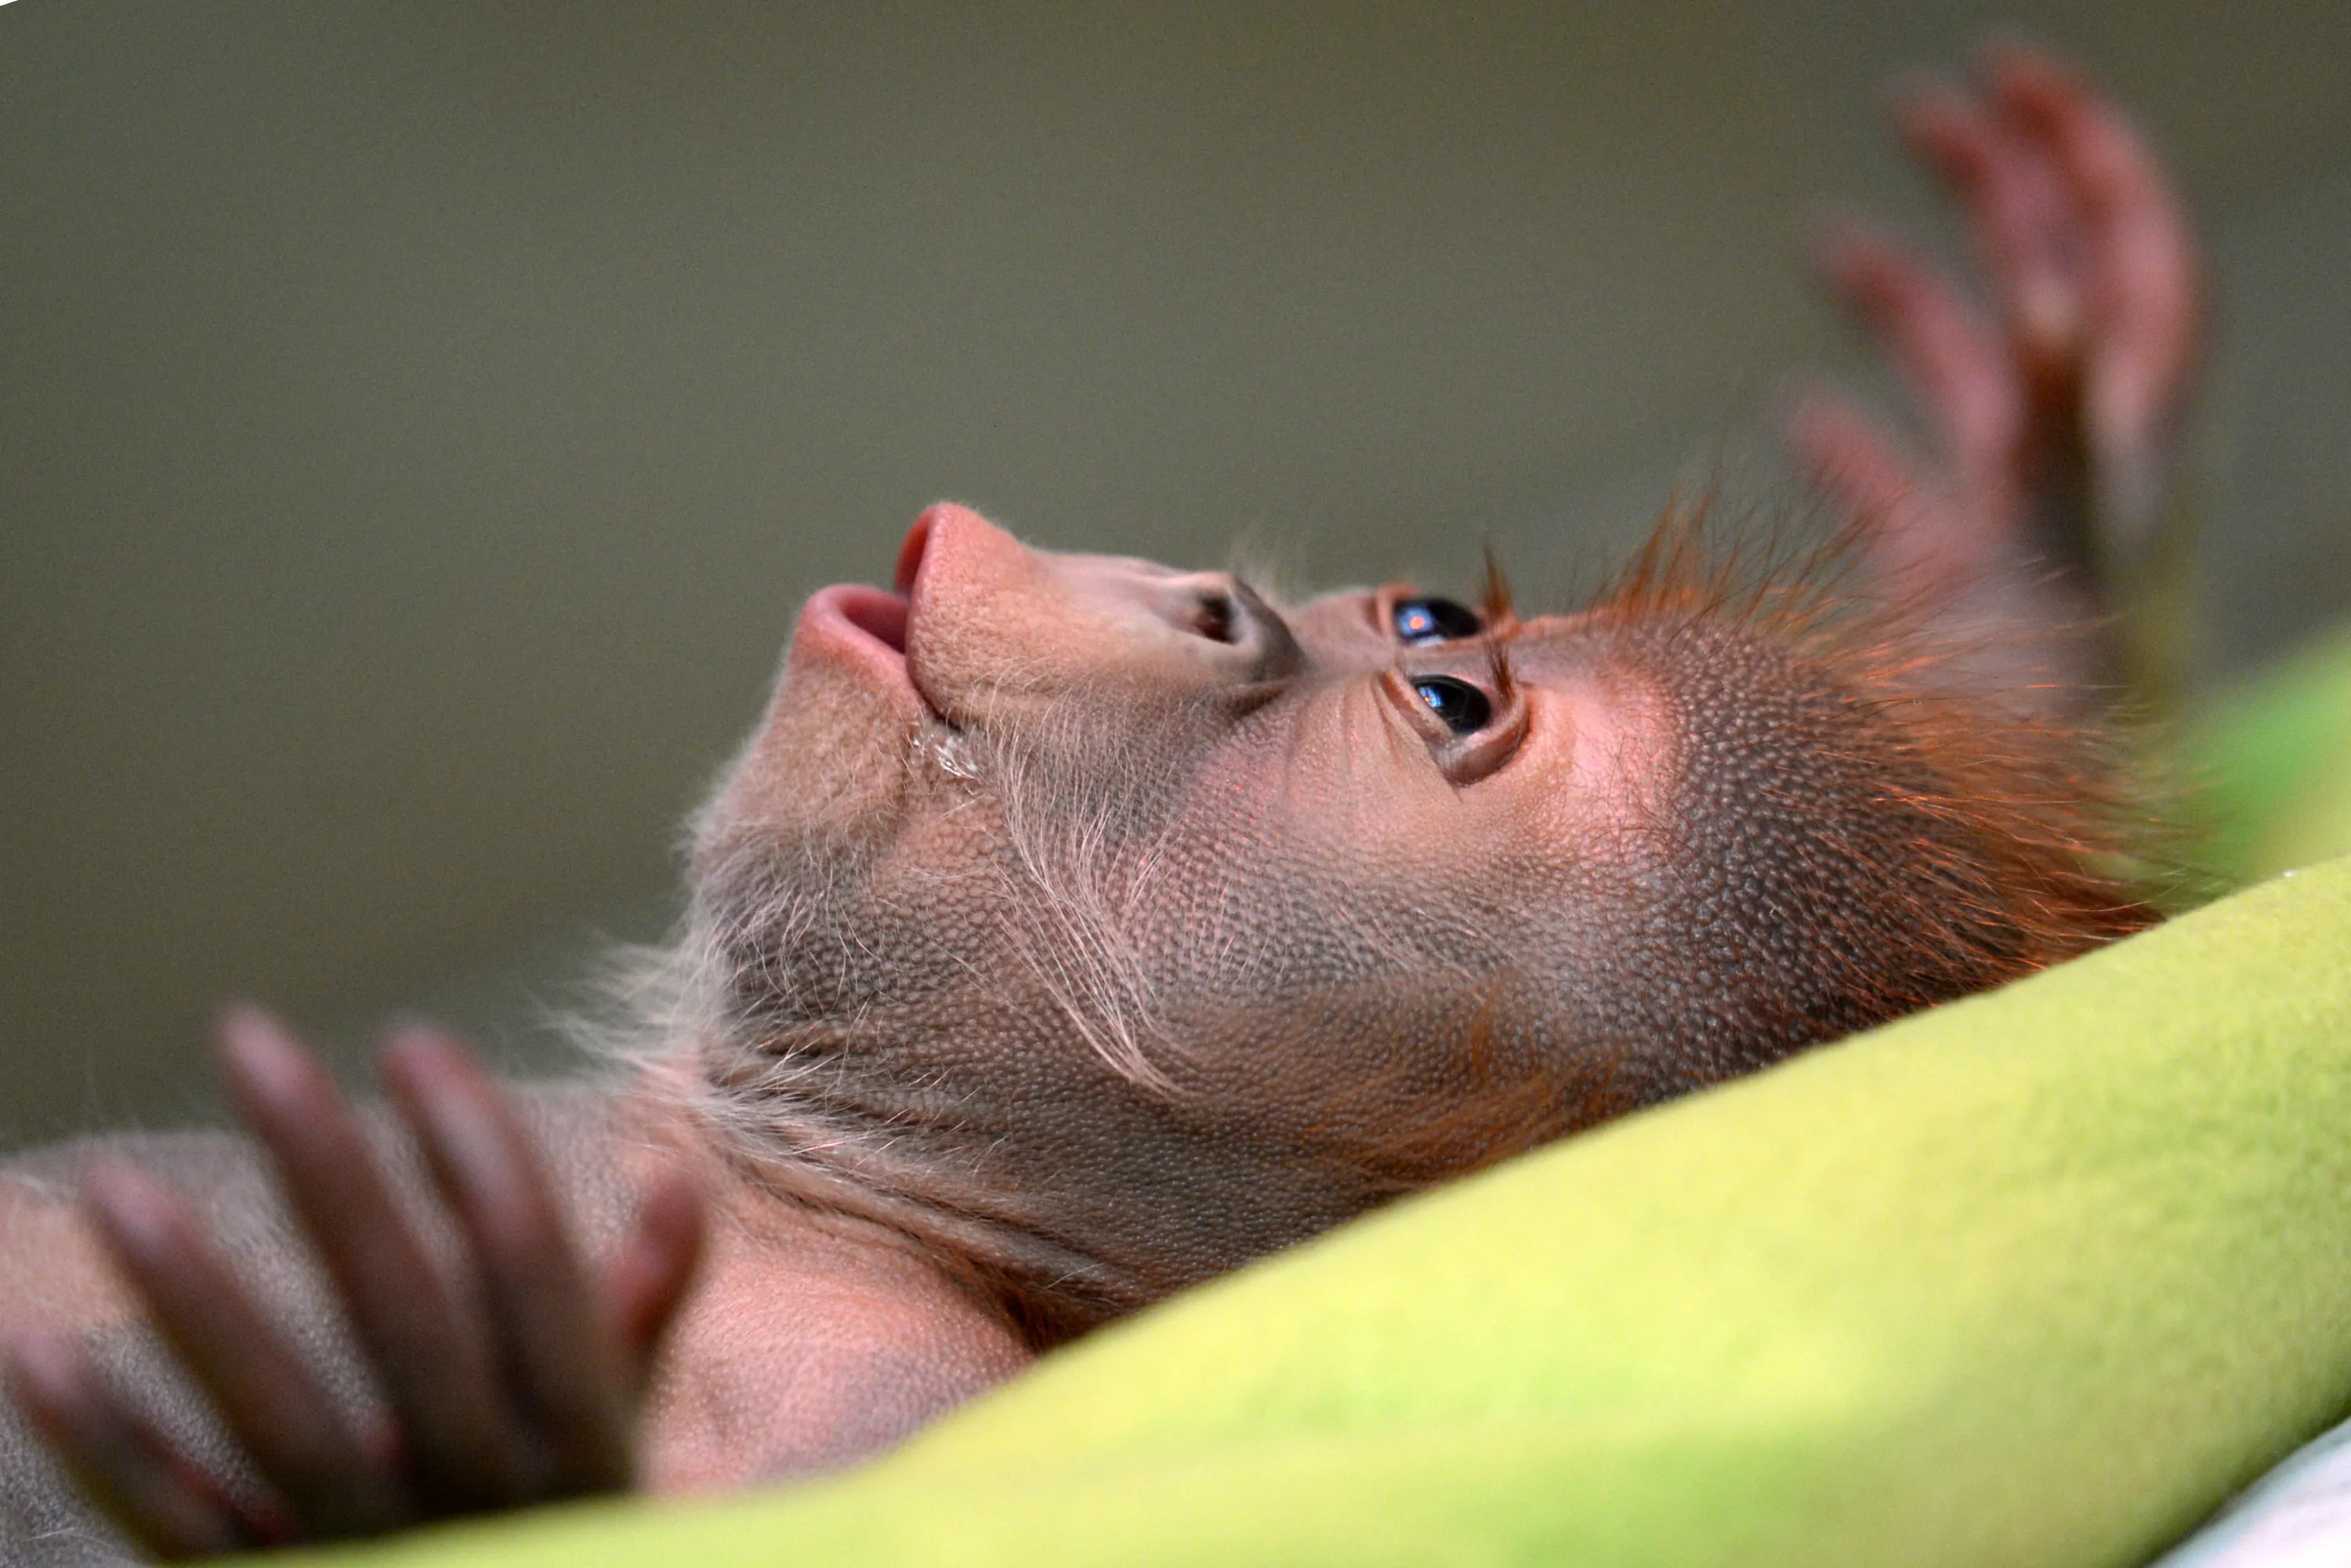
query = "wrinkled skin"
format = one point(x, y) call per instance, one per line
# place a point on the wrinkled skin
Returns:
point(1073, 929)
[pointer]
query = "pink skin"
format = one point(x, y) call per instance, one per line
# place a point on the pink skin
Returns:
point(1270, 762)
point(985, 631)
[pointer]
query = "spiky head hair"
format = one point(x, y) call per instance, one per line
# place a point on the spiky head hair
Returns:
point(1853, 828)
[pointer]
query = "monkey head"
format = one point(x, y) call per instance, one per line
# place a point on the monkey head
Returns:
point(1049, 880)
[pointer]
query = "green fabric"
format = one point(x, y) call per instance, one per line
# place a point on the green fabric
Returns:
point(2270, 769)
point(2038, 1277)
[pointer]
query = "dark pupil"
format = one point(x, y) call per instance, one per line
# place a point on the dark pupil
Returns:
point(1462, 706)
point(1419, 620)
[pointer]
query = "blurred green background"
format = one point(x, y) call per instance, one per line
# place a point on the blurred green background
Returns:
point(418, 422)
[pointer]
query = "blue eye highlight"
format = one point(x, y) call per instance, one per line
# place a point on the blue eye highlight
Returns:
point(1462, 706)
point(1426, 620)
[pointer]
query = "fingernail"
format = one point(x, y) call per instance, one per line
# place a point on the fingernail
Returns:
point(466, 1133)
point(42, 1356)
point(134, 1208)
point(256, 1049)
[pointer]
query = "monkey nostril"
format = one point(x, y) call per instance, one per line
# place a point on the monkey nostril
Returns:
point(1212, 617)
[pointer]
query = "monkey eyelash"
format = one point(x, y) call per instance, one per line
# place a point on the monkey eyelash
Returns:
point(1494, 602)
point(1494, 597)
point(1497, 664)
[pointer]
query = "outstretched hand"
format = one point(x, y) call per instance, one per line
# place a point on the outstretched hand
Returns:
point(519, 1385)
point(2055, 414)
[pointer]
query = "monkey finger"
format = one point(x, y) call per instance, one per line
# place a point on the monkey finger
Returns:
point(2143, 271)
point(646, 1281)
point(273, 1403)
point(1955, 364)
point(128, 1470)
point(2018, 208)
point(1915, 539)
point(432, 1361)
point(555, 1334)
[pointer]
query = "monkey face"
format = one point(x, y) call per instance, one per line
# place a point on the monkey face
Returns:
point(1214, 891)
point(1210, 804)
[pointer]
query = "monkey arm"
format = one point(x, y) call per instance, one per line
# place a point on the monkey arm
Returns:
point(2043, 524)
point(524, 1389)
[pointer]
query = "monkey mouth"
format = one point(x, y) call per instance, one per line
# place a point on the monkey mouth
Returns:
point(878, 615)
point(866, 628)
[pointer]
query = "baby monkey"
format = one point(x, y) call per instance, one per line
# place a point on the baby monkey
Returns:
point(1073, 929)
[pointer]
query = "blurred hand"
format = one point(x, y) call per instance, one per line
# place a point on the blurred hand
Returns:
point(2053, 414)
point(521, 1387)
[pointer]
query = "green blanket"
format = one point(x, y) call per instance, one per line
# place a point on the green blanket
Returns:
point(2270, 769)
point(2041, 1277)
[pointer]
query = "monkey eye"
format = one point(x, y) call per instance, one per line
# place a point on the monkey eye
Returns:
point(1463, 708)
point(1426, 619)
point(1471, 729)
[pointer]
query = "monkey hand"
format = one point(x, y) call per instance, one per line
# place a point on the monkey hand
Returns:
point(521, 1387)
point(2054, 416)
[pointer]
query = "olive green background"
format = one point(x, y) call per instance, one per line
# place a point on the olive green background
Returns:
point(418, 422)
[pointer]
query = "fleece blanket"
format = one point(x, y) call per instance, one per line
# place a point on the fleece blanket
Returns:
point(2040, 1277)
point(2267, 770)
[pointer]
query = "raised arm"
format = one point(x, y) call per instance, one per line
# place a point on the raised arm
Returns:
point(2039, 528)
